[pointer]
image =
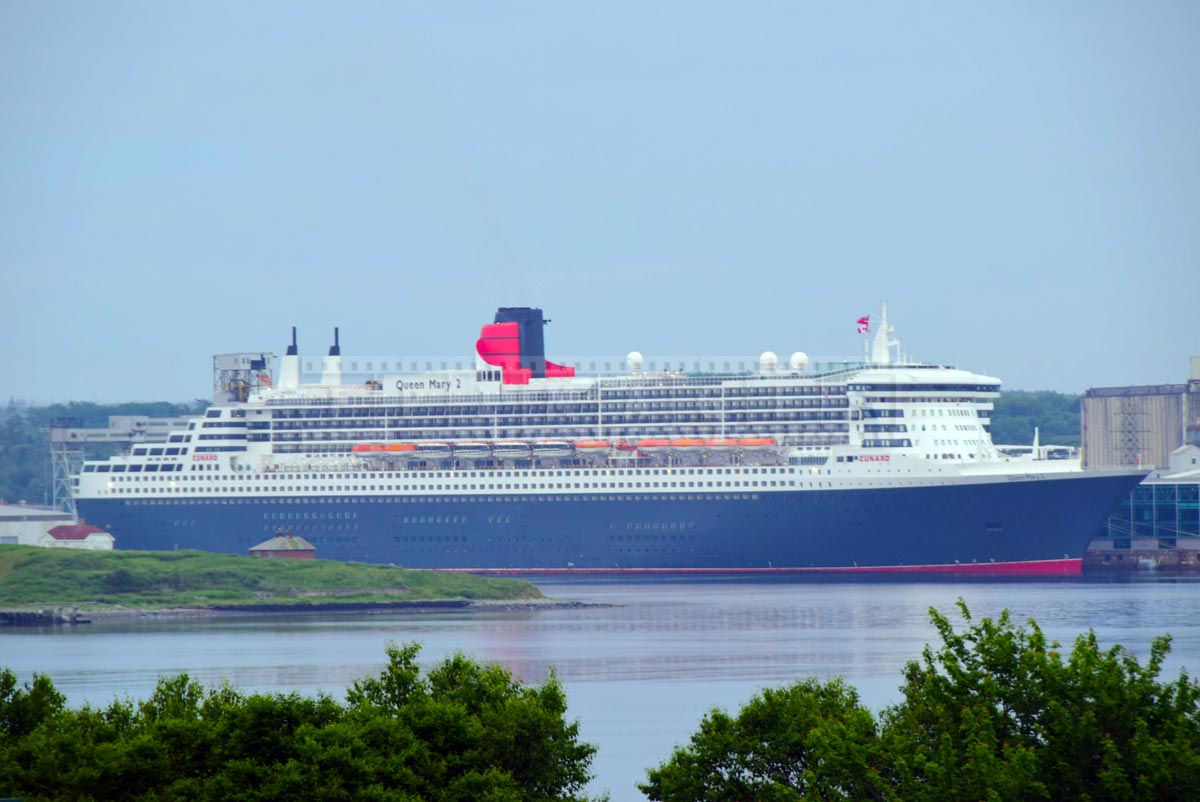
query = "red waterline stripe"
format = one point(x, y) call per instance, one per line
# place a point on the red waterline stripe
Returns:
point(1065, 567)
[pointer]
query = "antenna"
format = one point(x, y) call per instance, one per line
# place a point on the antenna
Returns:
point(335, 349)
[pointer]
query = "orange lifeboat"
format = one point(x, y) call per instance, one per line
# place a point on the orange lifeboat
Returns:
point(621, 445)
point(404, 447)
point(721, 444)
point(687, 444)
point(359, 448)
point(593, 446)
point(653, 446)
point(757, 443)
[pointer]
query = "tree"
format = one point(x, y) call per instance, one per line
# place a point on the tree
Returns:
point(1017, 412)
point(808, 741)
point(997, 713)
point(463, 731)
point(487, 730)
point(994, 713)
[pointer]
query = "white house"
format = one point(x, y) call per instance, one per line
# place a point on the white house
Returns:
point(83, 536)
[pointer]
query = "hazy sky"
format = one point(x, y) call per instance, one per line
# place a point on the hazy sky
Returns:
point(1020, 181)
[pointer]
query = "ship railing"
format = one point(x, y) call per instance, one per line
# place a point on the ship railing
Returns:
point(361, 368)
point(642, 381)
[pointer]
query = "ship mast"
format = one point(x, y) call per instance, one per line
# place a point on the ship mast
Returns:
point(881, 349)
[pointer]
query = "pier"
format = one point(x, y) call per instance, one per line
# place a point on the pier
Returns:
point(44, 617)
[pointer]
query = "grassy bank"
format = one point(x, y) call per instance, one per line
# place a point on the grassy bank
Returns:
point(146, 579)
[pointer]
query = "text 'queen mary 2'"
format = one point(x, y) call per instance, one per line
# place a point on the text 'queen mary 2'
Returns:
point(521, 466)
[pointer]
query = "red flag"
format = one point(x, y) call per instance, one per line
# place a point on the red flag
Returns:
point(864, 324)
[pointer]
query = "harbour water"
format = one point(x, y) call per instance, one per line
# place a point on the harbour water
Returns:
point(640, 667)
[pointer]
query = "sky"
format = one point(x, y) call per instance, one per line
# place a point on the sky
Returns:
point(1020, 181)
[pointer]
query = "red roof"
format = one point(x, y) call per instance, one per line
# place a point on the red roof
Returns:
point(79, 532)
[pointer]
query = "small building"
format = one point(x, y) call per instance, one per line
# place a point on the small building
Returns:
point(26, 524)
point(286, 546)
point(80, 536)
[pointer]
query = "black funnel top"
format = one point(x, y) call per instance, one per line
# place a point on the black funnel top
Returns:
point(533, 343)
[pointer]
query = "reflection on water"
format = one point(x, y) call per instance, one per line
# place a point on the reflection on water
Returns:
point(640, 670)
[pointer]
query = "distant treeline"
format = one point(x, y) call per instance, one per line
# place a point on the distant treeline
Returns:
point(25, 472)
point(1055, 414)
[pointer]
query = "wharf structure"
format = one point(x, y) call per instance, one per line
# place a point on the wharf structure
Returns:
point(1158, 525)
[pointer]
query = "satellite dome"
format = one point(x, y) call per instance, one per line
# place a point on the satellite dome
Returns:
point(768, 362)
point(635, 361)
point(799, 360)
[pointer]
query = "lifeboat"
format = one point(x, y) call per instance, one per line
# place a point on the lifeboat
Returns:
point(757, 443)
point(687, 444)
point(511, 449)
point(553, 448)
point(359, 448)
point(406, 448)
point(621, 445)
point(469, 450)
point(434, 450)
point(593, 447)
point(653, 446)
point(721, 444)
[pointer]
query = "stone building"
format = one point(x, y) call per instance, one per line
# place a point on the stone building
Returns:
point(285, 546)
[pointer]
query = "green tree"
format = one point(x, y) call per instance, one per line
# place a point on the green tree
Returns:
point(463, 731)
point(1017, 412)
point(485, 730)
point(24, 459)
point(994, 713)
point(807, 741)
point(24, 708)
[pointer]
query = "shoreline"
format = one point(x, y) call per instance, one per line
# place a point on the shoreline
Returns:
point(66, 615)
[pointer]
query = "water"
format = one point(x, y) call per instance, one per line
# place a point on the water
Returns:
point(640, 671)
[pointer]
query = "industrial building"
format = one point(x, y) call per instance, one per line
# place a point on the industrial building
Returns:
point(1158, 427)
point(1123, 426)
point(24, 525)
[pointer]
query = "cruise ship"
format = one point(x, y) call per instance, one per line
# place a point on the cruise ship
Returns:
point(878, 464)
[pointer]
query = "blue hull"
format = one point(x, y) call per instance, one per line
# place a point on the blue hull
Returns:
point(1001, 522)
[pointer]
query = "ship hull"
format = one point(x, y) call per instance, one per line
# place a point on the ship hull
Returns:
point(1006, 526)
